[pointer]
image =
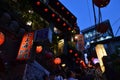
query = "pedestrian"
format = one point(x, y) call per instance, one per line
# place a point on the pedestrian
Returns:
point(70, 75)
point(98, 72)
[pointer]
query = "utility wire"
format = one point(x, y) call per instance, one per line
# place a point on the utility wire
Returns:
point(118, 27)
point(116, 21)
point(117, 31)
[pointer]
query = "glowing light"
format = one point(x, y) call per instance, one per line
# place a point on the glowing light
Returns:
point(57, 3)
point(62, 8)
point(29, 23)
point(2, 38)
point(57, 60)
point(70, 51)
point(53, 15)
point(63, 65)
point(68, 13)
point(46, 10)
point(64, 24)
point(38, 3)
point(58, 19)
point(69, 28)
point(76, 54)
point(100, 50)
point(38, 49)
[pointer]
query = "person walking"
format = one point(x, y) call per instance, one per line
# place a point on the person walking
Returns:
point(70, 75)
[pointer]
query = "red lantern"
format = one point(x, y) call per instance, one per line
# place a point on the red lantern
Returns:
point(38, 49)
point(70, 51)
point(46, 10)
point(102, 27)
point(75, 54)
point(101, 3)
point(2, 38)
point(57, 60)
point(38, 3)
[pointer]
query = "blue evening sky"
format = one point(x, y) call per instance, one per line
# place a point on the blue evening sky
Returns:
point(83, 10)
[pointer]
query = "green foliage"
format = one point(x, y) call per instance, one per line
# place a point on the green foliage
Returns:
point(21, 8)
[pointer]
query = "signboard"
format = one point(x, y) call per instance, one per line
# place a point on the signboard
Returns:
point(41, 34)
point(26, 45)
point(35, 71)
point(80, 42)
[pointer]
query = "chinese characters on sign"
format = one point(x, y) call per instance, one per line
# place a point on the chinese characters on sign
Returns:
point(26, 44)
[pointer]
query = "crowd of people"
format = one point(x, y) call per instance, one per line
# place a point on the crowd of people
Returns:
point(88, 73)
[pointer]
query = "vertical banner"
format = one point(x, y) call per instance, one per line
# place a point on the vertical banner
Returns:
point(100, 50)
point(25, 46)
point(80, 42)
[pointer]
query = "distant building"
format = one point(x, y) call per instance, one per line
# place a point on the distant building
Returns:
point(91, 35)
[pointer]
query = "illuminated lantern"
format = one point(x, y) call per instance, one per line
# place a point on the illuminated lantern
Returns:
point(46, 10)
point(102, 27)
point(101, 3)
point(67, 12)
point(69, 28)
point(57, 3)
point(38, 3)
point(64, 24)
point(76, 54)
point(57, 60)
point(39, 49)
point(58, 19)
point(2, 38)
point(53, 15)
point(70, 51)
point(62, 8)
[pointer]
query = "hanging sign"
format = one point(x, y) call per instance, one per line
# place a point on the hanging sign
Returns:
point(26, 44)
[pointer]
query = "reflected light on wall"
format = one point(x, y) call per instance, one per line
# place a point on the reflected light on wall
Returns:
point(100, 50)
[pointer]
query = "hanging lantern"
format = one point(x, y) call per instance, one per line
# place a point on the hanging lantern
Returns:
point(102, 27)
point(101, 3)
point(70, 51)
point(2, 38)
point(39, 49)
point(57, 60)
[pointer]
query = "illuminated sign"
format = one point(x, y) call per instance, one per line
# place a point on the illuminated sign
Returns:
point(26, 44)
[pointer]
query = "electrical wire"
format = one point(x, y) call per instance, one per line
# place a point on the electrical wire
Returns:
point(117, 31)
point(116, 21)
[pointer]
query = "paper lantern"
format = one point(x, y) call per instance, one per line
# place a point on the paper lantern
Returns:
point(39, 49)
point(57, 60)
point(102, 27)
point(2, 38)
point(101, 3)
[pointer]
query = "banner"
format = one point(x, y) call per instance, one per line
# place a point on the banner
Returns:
point(26, 45)
point(80, 42)
point(35, 71)
point(41, 35)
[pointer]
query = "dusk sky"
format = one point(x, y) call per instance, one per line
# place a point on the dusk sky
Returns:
point(83, 10)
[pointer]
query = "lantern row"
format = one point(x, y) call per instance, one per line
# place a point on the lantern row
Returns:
point(50, 16)
point(59, 7)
